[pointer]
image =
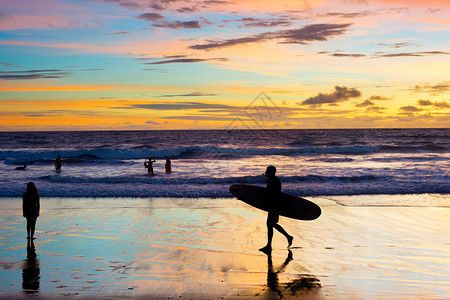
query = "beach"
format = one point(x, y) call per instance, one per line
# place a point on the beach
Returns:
point(205, 248)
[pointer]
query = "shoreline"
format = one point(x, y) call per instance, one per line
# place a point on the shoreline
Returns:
point(360, 200)
point(164, 248)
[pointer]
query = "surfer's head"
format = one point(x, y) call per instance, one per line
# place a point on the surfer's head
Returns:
point(270, 172)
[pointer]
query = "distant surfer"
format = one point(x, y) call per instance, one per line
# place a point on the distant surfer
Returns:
point(22, 168)
point(58, 164)
point(272, 196)
point(30, 208)
point(168, 166)
point(149, 165)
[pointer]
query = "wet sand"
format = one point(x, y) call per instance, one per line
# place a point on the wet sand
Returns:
point(166, 248)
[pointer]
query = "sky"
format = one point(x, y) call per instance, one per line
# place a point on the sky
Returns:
point(219, 64)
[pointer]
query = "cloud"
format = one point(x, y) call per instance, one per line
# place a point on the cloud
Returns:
point(205, 117)
point(442, 104)
point(304, 35)
point(117, 33)
point(159, 21)
point(249, 22)
point(33, 74)
point(194, 94)
point(412, 54)
point(152, 123)
point(375, 109)
point(395, 45)
point(150, 17)
point(381, 98)
point(9, 65)
point(179, 106)
point(141, 5)
point(348, 15)
point(4, 15)
point(434, 89)
point(365, 104)
point(424, 102)
point(340, 54)
point(178, 25)
point(185, 60)
point(340, 94)
point(187, 10)
point(410, 108)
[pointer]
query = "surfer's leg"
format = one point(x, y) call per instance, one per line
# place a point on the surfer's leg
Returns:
point(271, 221)
point(282, 231)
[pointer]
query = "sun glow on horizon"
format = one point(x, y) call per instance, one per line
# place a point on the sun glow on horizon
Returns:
point(108, 65)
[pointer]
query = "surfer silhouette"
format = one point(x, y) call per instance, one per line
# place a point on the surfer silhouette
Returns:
point(30, 208)
point(149, 165)
point(58, 164)
point(272, 196)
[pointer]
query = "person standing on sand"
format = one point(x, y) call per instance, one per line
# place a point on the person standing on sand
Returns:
point(149, 165)
point(168, 166)
point(30, 208)
point(272, 196)
point(58, 164)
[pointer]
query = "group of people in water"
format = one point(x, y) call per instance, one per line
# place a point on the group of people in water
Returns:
point(31, 204)
point(148, 164)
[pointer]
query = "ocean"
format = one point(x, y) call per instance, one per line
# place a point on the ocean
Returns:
point(206, 162)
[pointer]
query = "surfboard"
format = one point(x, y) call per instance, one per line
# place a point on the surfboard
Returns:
point(289, 206)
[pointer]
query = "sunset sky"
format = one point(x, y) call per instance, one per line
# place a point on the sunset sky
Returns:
point(189, 64)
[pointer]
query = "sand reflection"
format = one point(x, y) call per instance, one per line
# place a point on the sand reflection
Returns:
point(302, 285)
point(31, 271)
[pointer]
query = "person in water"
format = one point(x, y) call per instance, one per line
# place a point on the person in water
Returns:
point(149, 165)
point(272, 196)
point(168, 166)
point(22, 168)
point(58, 164)
point(30, 208)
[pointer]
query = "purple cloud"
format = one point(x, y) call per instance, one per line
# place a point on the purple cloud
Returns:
point(178, 25)
point(304, 35)
point(340, 94)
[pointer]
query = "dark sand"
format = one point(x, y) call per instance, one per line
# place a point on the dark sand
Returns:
point(208, 249)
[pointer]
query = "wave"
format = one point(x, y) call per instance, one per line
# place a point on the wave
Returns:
point(192, 152)
point(171, 180)
point(52, 186)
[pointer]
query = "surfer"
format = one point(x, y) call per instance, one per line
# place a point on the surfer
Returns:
point(273, 190)
point(149, 165)
point(30, 208)
point(168, 166)
point(58, 164)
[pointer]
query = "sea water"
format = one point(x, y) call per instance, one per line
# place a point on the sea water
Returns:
point(206, 162)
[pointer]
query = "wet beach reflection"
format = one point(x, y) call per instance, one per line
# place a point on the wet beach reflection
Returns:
point(303, 285)
point(31, 271)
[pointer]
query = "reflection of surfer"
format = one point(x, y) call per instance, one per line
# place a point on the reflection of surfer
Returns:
point(58, 164)
point(272, 275)
point(149, 165)
point(304, 285)
point(168, 166)
point(31, 271)
point(273, 190)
